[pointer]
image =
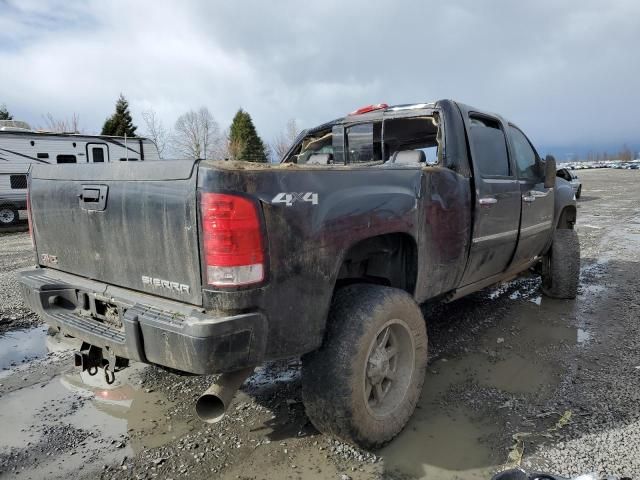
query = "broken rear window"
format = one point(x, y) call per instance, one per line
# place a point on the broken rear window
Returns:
point(316, 148)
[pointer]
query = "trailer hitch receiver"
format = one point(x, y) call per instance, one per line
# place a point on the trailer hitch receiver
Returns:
point(90, 358)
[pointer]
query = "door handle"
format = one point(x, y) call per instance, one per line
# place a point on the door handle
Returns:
point(90, 195)
point(487, 201)
point(93, 197)
point(528, 198)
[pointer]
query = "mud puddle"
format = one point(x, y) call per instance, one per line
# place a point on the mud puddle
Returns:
point(465, 410)
point(111, 422)
point(442, 444)
point(87, 402)
point(21, 346)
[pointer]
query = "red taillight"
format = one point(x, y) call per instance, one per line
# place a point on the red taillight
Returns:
point(370, 108)
point(232, 240)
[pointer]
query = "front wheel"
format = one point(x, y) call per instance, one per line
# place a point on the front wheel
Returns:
point(8, 215)
point(561, 265)
point(363, 384)
point(579, 192)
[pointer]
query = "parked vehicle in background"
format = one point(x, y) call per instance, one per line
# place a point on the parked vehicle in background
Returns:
point(21, 147)
point(13, 192)
point(572, 178)
point(216, 267)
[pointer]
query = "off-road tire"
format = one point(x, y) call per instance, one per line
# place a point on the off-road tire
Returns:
point(561, 265)
point(8, 216)
point(335, 377)
point(579, 192)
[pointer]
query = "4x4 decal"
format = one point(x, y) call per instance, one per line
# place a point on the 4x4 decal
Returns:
point(290, 198)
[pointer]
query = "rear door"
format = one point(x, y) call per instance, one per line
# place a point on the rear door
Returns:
point(132, 225)
point(537, 201)
point(497, 200)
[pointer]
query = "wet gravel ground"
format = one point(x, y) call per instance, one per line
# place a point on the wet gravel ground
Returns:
point(602, 390)
point(15, 253)
point(513, 379)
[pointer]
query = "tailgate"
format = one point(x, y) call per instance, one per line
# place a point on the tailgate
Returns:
point(128, 224)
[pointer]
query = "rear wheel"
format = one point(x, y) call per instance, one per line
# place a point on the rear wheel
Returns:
point(561, 265)
point(363, 384)
point(8, 215)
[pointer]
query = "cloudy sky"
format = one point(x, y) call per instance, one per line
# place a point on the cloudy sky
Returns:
point(567, 72)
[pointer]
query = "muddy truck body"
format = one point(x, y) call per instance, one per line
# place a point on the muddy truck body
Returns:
point(218, 266)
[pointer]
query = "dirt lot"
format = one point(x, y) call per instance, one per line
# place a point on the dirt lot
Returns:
point(514, 378)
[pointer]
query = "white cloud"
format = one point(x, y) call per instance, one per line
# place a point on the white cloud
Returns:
point(564, 71)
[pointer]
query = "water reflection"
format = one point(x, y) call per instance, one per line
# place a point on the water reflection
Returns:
point(141, 413)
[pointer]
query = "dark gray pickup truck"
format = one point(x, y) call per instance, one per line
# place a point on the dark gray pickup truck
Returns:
point(216, 267)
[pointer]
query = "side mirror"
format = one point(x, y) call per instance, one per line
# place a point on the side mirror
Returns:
point(549, 171)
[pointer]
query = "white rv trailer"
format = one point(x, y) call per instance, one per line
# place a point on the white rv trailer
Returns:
point(21, 147)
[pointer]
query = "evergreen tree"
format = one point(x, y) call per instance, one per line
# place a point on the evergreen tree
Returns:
point(4, 113)
point(244, 142)
point(120, 122)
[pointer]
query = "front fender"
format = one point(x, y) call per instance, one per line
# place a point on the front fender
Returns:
point(564, 200)
point(564, 197)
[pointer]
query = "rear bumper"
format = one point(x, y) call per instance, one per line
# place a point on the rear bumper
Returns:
point(153, 330)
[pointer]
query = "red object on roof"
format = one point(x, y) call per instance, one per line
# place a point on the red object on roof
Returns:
point(370, 108)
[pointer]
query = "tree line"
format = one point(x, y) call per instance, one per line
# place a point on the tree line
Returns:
point(195, 134)
point(625, 154)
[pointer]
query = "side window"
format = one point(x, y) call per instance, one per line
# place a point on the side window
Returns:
point(18, 182)
point(98, 155)
point(489, 147)
point(525, 155)
point(66, 159)
point(563, 174)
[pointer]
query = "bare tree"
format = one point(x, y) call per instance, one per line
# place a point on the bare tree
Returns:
point(234, 149)
point(155, 130)
point(224, 150)
point(626, 155)
point(61, 125)
point(197, 135)
point(285, 139)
